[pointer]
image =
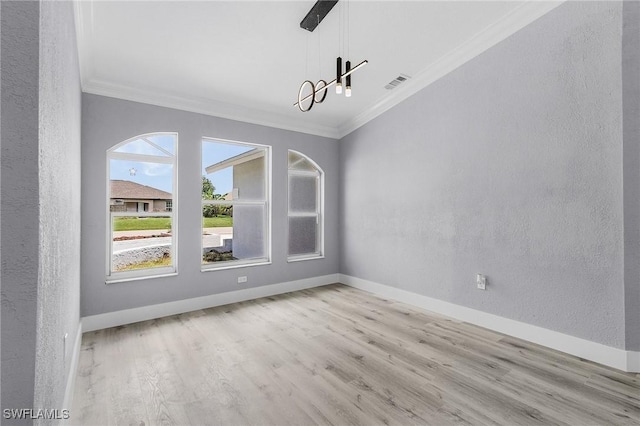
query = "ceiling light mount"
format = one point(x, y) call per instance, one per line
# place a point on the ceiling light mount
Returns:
point(317, 14)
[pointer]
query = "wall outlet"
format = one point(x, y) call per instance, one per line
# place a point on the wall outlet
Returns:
point(481, 281)
point(242, 280)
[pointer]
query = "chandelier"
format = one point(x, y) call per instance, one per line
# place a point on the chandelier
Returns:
point(310, 93)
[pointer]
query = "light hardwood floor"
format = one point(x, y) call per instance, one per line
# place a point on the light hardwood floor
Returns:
point(336, 355)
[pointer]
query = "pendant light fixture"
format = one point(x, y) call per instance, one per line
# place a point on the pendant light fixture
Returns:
point(347, 90)
point(318, 91)
point(339, 76)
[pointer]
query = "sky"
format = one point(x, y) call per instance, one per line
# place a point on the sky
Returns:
point(160, 176)
point(215, 151)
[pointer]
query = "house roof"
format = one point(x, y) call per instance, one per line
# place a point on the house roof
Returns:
point(132, 190)
point(234, 161)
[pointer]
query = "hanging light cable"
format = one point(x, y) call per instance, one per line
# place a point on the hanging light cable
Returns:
point(347, 91)
point(339, 59)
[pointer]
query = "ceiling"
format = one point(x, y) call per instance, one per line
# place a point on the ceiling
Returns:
point(245, 60)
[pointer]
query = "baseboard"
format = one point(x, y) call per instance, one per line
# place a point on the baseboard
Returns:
point(128, 316)
point(633, 361)
point(613, 357)
point(73, 369)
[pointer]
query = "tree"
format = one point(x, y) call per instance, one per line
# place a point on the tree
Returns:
point(208, 193)
point(207, 189)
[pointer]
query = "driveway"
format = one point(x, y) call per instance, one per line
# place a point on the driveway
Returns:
point(212, 237)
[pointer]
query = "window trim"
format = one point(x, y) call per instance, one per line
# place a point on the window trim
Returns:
point(113, 277)
point(320, 175)
point(240, 263)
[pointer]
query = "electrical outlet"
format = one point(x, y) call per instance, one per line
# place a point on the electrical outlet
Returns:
point(242, 280)
point(481, 281)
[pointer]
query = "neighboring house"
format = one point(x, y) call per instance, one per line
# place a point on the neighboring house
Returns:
point(248, 220)
point(127, 196)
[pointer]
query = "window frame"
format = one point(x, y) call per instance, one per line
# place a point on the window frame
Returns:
point(241, 263)
point(320, 177)
point(113, 277)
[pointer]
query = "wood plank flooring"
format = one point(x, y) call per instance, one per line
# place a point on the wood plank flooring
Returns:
point(340, 356)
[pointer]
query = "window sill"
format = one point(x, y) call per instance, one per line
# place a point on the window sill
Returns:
point(233, 265)
point(138, 278)
point(303, 258)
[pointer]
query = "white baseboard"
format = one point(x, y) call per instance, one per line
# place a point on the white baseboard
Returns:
point(613, 357)
point(128, 316)
point(633, 361)
point(73, 369)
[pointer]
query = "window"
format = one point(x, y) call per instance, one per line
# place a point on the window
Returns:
point(306, 181)
point(235, 204)
point(141, 182)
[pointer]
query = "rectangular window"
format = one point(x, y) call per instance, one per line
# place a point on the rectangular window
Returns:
point(235, 203)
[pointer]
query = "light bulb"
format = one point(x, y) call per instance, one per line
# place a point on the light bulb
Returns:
point(347, 92)
point(338, 88)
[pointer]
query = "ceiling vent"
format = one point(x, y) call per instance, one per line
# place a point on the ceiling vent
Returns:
point(397, 81)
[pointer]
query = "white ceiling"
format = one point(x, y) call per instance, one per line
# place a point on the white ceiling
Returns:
point(245, 60)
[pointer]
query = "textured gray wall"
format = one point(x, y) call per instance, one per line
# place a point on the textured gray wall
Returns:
point(631, 132)
point(19, 201)
point(59, 171)
point(40, 201)
point(510, 166)
point(107, 121)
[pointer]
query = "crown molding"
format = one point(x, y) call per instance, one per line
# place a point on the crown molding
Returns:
point(487, 38)
point(206, 106)
point(84, 33)
point(490, 36)
point(90, 84)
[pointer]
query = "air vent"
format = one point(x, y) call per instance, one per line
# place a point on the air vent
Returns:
point(397, 81)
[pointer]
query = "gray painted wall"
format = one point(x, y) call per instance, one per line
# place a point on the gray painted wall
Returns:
point(107, 121)
point(59, 172)
point(40, 201)
point(631, 141)
point(19, 38)
point(510, 166)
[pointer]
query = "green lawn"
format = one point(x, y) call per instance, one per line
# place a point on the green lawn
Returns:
point(163, 223)
point(214, 222)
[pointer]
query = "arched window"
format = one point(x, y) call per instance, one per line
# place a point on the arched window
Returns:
point(306, 196)
point(141, 207)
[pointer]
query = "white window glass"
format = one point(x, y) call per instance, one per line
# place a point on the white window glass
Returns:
point(235, 203)
point(142, 207)
point(305, 208)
